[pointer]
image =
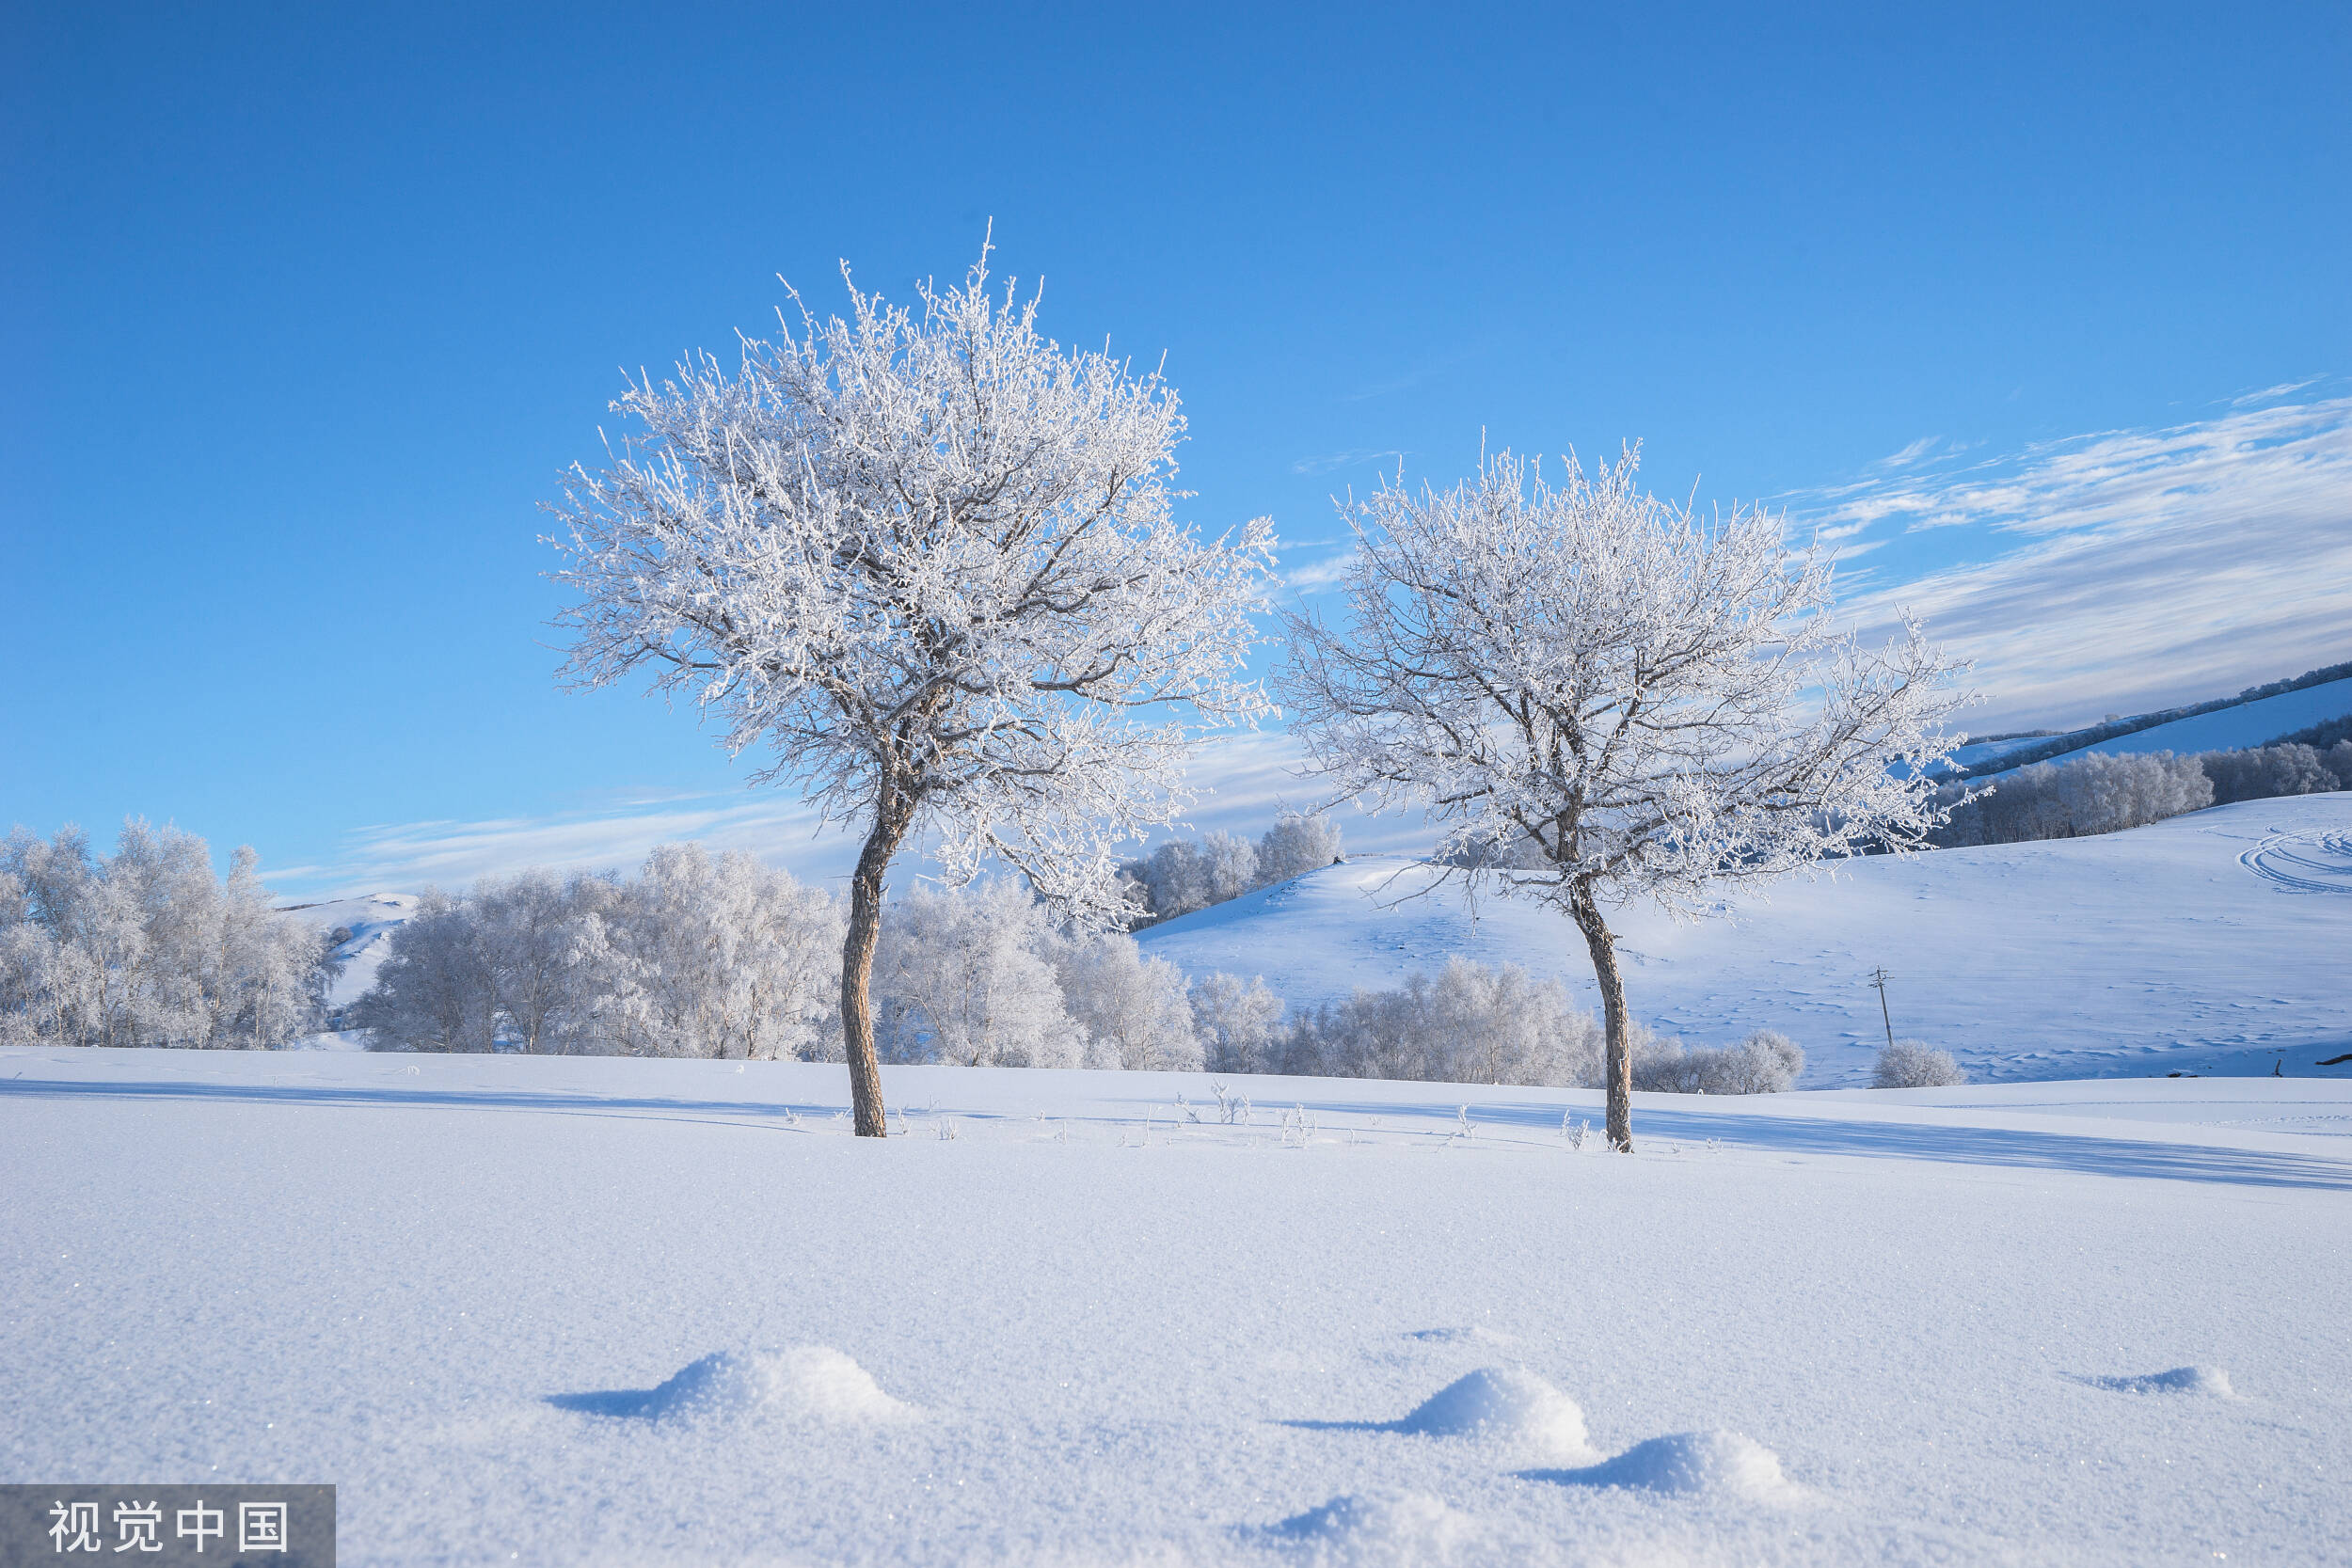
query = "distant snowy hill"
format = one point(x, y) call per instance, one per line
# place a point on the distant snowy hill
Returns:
point(2230, 728)
point(2240, 725)
point(2214, 942)
point(368, 922)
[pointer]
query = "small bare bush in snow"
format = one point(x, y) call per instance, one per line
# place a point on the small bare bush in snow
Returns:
point(1916, 1065)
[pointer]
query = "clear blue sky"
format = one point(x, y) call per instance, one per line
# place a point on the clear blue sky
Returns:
point(306, 308)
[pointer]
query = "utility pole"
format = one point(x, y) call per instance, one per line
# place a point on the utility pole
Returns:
point(1878, 979)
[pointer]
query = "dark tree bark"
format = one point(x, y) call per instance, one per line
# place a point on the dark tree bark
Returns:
point(1618, 1066)
point(891, 821)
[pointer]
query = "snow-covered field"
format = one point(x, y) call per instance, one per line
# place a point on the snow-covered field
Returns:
point(2218, 942)
point(483, 1296)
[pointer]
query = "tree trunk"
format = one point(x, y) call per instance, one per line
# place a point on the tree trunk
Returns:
point(1618, 1064)
point(857, 964)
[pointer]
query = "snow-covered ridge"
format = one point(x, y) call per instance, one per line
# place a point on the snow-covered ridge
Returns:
point(2213, 941)
point(2232, 728)
point(370, 920)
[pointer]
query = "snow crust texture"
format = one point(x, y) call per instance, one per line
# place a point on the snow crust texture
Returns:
point(1381, 1530)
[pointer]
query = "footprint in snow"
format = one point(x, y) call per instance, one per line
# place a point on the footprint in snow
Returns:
point(2209, 1382)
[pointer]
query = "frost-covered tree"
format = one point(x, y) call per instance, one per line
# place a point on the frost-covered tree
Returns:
point(1766, 1062)
point(964, 978)
point(1466, 1025)
point(537, 937)
point(1239, 1025)
point(2262, 772)
point(714, 955)
point(1133, 1009)
point(1297, 843)
point(434, 989)
point(930, 562)
point(696, 956)
point(146, 947)
point(1656, 704)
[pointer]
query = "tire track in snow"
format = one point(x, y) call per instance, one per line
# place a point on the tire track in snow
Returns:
point(2304, 862)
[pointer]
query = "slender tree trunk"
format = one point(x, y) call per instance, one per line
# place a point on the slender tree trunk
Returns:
point(857, 963)
point(1618, 1064)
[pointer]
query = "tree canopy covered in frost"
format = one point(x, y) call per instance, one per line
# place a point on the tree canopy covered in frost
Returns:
point(147, 948)
point(1916, 1065)
point(1184, 875)
point(929, 563)
point(1658, 705)
point(2101, 793)
point(1468, 1024)
point(695, 957)
point(964, 978)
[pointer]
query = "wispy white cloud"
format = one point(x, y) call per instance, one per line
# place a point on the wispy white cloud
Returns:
point(1320, 574)
point(1330, 462)
point(1244, 778)
point(2129, 569)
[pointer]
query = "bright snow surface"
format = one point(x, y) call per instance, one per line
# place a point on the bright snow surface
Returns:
point(598, 1311)
point(2215, 942)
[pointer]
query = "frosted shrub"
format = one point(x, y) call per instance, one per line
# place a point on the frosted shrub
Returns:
point(1469, 1025)
point(1238, 1025)
point(1764, 1063)
point(1916, 1065)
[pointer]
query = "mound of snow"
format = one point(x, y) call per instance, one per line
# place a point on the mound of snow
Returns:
point(806, 1382)
point(1508, 1407)
point(1697, 1464)
point(2212, 1382)
point(1396, 1527)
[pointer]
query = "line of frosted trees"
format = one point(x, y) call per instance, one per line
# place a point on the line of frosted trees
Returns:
point(146, 946)
point(2101, 794)
point(723, 957)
